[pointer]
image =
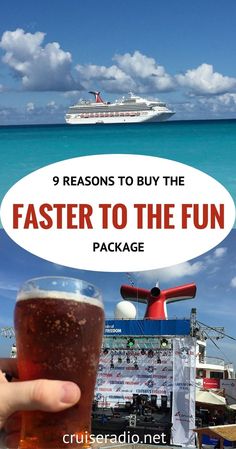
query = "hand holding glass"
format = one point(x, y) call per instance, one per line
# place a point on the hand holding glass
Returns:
point(59, 328)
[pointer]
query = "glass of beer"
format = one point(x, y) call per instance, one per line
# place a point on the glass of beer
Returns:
point(59, 328)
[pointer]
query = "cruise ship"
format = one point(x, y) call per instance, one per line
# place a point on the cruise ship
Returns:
point(131, 109)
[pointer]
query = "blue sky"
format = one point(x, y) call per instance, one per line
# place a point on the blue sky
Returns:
point(214, 274)
point(53, 52)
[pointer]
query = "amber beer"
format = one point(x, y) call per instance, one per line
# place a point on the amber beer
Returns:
point(59, 327)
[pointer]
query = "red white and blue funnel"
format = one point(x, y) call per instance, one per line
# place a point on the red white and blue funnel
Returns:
point(157, 299)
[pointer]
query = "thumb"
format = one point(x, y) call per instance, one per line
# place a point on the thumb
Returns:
point(42, 394)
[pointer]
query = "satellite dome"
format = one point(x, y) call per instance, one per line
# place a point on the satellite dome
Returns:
point(125, 310)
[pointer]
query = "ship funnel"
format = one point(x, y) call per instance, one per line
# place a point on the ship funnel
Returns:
point(157, 299)
point(97, 96)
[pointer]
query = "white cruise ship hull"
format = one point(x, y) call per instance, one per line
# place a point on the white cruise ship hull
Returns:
point(141, 118)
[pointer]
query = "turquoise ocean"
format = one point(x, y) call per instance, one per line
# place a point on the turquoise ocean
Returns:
point(207, 145)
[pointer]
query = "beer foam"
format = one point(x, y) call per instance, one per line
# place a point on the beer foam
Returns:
point(60, 295)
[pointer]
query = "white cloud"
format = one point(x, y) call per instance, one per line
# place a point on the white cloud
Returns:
point(111, 79)
point(39, 67)
point(32, 113)
point(71, 93)
point(219, 104)
point(185, 269)
point(5, 113)
point(30, 107)
point(220, 252)
point(233, 282)
point(204, 81)
point(227, 99)
point(143, 68)
point(214, 257)
point(52, 106)
point(136, 72)
point(8, 286)
point(47, 67)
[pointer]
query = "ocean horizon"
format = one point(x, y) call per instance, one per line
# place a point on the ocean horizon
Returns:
point(171, 120)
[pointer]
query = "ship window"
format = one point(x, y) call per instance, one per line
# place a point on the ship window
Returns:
point(200, 373)
point(216, 375)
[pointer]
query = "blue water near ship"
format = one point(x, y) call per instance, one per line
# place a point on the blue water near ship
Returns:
point(207, 145)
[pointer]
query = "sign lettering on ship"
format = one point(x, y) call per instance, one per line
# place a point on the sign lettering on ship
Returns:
point(146, 327)
point(118, 384)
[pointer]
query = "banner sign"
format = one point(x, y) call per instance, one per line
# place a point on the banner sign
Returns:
point(183, 408)
point(209, 383)
point(146, 327)
point(133, 373)
point(229, 385)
